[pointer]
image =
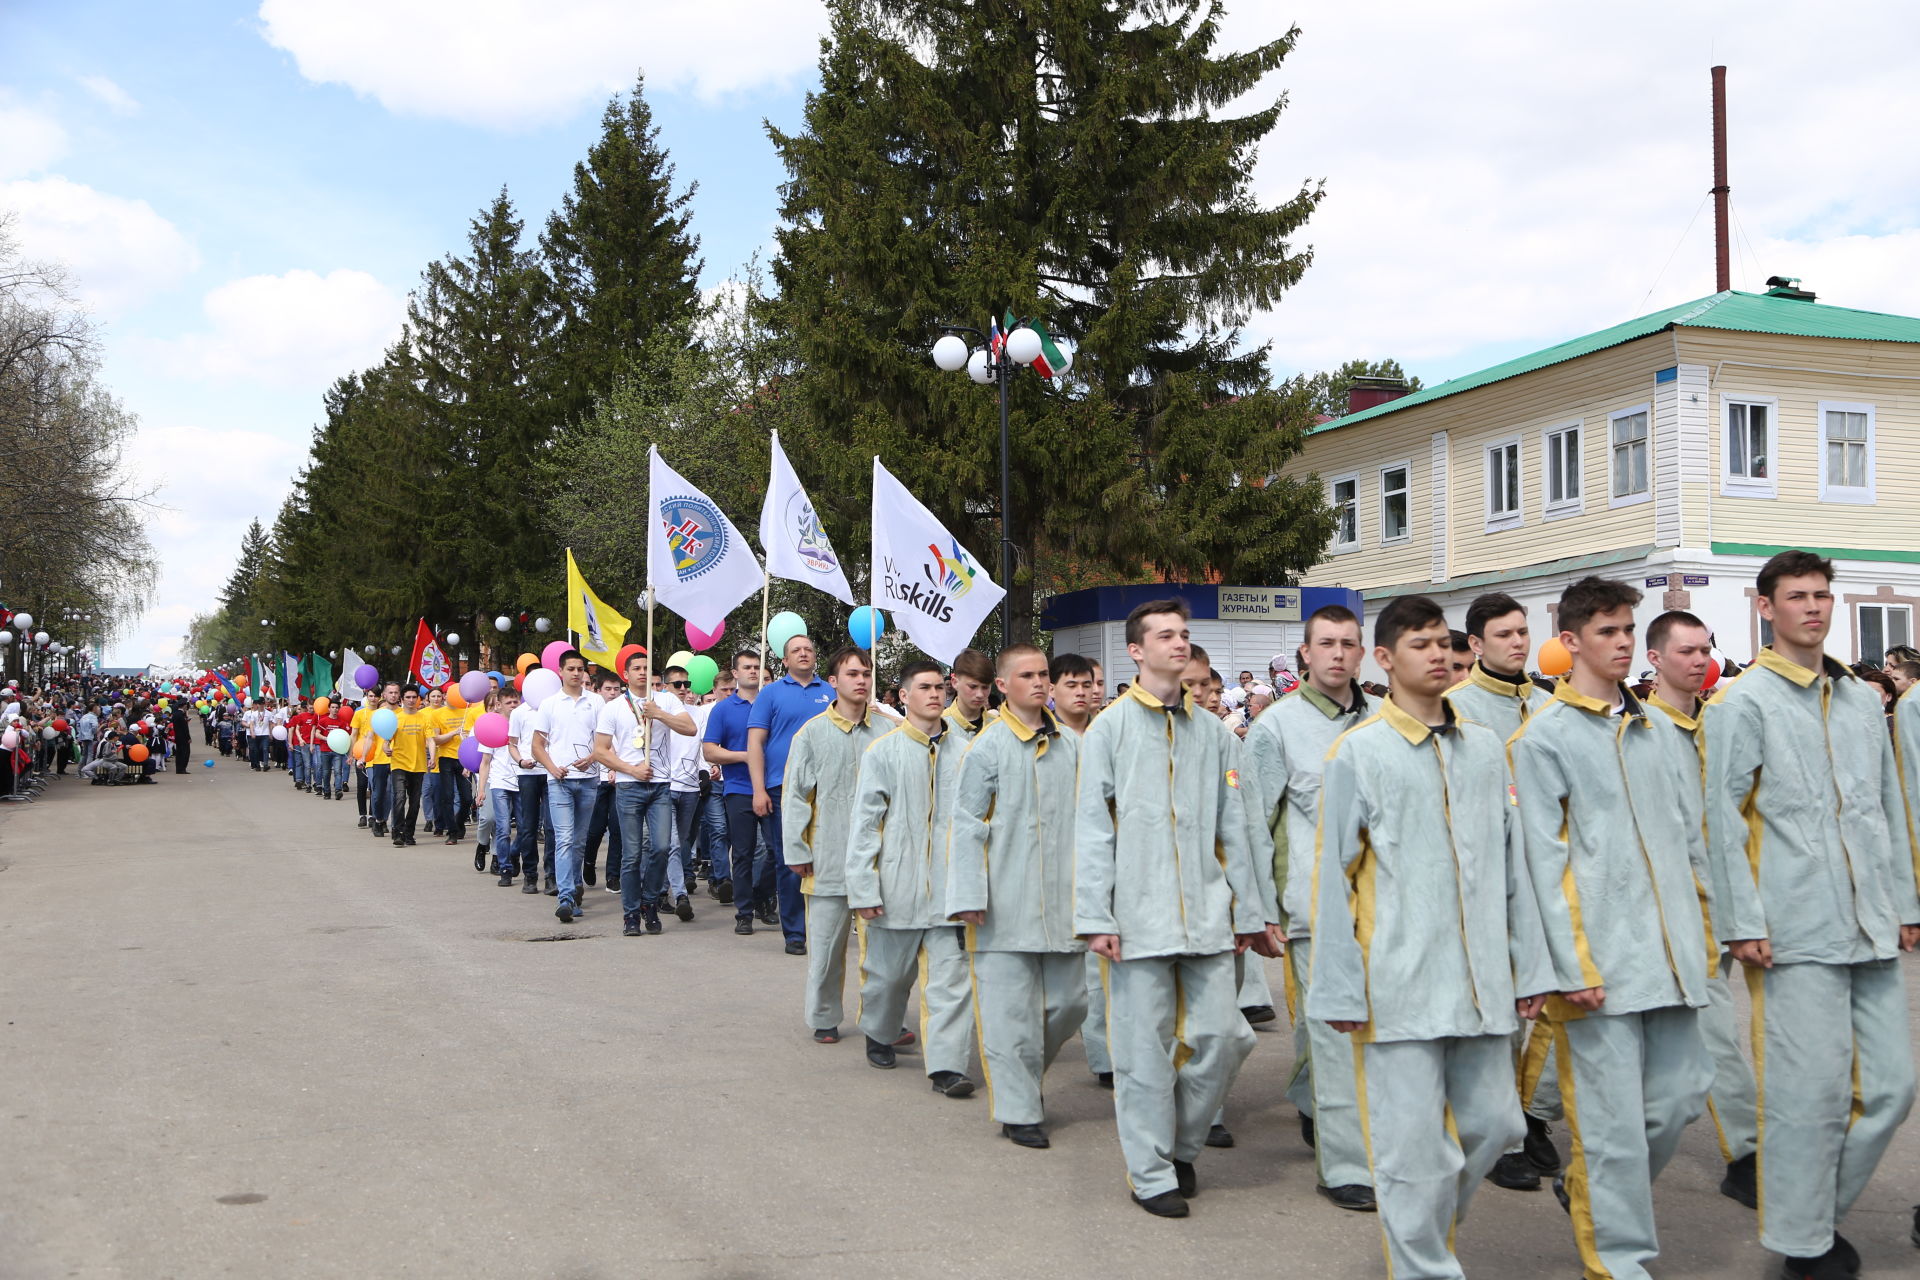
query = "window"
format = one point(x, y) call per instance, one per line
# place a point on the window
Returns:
point(1882, 626)
point(1344, 497)
point(1748, 468)
point(1628, 430)
point(1562, 450)
point(1503, 484)
point(1846, 452)
point(1394, 523)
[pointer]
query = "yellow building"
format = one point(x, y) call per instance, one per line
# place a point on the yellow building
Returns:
point(1677, 451)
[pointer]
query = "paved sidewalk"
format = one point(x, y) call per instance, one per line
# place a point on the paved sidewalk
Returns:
point(243, 1038)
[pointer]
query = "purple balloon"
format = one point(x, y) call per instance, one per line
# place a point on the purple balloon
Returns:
point(367, 676)
point(475, 686)
point(469, 755)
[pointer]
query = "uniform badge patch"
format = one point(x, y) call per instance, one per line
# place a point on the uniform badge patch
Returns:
point(1233, 779)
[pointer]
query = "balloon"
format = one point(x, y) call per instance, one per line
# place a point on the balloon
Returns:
point(783, 627)
point(338, 740)
point(550, 656)
point(207, 763)
point(503, 623)
point(705, 639)
point(542, 625)
point(678, 658)
point(385, 723)
point(620, 659)
point(10, 739)
point(498, 679)
point(524, 661)
point(702, 671)
point(540, 685)
point(1554, 658)
point(241, 679)
point(469, 755)
point(1713, 678)
point(520, 682)
point(491, 729)
point(279, 733)
point(320, 706)
point(60, 724)
point(866, 626)
point(475, 685)
point(454, 700)
point(366, 677)
point(249, 704)
point(137, 753)
point(49, 733)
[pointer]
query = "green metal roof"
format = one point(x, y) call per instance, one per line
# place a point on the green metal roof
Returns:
point(1749, 312)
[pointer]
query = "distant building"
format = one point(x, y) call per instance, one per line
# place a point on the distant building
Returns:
point(1677, 451)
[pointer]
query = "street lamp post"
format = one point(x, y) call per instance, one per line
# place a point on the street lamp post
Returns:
point(993, 361)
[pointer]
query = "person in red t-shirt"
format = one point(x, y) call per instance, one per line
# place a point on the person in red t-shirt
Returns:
point(331, 768)
point(300, 745)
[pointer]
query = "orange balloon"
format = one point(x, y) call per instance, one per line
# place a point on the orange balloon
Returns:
point(1554, 658)
point(454, 699)
point(320, 706)
point(137, 753)
point(527, 660)
point(241, 680)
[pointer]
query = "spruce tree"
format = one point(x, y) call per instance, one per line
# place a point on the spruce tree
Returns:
point(1070, 160)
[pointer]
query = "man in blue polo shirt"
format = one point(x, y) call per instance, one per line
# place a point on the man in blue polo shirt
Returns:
point(778, 713)
point(725, 744)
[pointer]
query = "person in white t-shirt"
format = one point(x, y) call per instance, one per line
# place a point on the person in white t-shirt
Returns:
point(684, 763)
point(499, 788)
point(563, 744)
point(710, 818)
point(633, 740)
point(530, 800)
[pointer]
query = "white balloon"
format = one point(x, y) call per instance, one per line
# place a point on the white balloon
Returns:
point(539, 685)
point(452, 638)
point(279, 733)
point(542, 625)
point(1023, 344)
point(977, 368)
point(503, 623)
point(48, 733)
point(950, 353)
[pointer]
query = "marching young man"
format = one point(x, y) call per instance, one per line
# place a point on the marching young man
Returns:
point(1073, 691)
point(1814, 893)
point(1286, 753)
point(1681, 650)
point(896, 883)
point(1076, 699)
point(563, 733)
point(816, 810)
point(1010, 881)
point(1165, 890)
point(972, 683)
point(632, 737)
point(1420, 927)
point(1614, 848)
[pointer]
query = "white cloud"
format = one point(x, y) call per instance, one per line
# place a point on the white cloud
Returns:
point(30, 141)
point(515, 64)
point(119, 250)
point(118, 100)
point(296, 330)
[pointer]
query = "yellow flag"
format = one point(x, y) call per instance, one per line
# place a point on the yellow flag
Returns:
point(600, 631)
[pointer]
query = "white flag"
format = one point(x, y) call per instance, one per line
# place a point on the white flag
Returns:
point(796, 546)
point(697, 563)
point(936, 591)
point(350, 662)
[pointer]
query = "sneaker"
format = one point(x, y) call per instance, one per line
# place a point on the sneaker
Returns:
point(612, 886)
point(630, 925)
point(1514, 1172)
point(826, 1035)
point(950, 1083)
point(743, 924)
point(564, 911)
point(1219, 1136)
point(905, 1039)
point(529, 885)
point(683, 908)
point(506, 880)
point(1741, 1183)
point(722, 892)
point(651, 918)
point(796, 946)
point(363, 819)
point(1539, 1148)
point(769, 916)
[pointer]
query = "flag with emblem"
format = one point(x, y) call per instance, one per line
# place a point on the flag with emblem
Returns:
point(429, 659)
point(697, 563)
point(935, 590)
point(599, 630)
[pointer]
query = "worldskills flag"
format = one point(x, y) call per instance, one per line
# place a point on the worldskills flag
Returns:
point(600, 630)
point(795, 544)
point(697, 563)
point(936, 591)
point(429, 659)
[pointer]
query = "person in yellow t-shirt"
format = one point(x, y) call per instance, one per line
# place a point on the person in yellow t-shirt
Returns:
point(410, 750)
point(434, 707)
point(372, 748)
point(452, 789)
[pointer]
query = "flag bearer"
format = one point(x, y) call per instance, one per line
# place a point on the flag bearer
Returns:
point(1814, 893)
point(1681, 650)
point(816, 804)
point(1010, 880)
point(896, 883)
point(1286, 753)
point(1421, 924)
point(1613, 845)
point(1165, 891)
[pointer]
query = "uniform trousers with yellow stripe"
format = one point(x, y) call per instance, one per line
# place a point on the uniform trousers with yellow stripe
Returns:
point(1631, 1084)
point(829, 924)
point(1323, 1087)
point(1027, 1004)
point(1177, 1038)
point(1436, 1114)
point(1730, 1099)
point(1834, 1069)
point(1093, 1032)
point(891, 960)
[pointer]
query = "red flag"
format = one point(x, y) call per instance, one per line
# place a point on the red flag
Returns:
point(429, 660)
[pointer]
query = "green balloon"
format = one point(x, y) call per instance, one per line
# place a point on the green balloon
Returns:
point(702, 671)
point(783, 627)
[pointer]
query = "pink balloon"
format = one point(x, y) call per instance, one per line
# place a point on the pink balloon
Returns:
point(550, 656)
point(491, 729)
point(699, 639)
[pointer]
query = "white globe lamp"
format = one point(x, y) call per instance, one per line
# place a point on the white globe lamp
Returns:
point(950, 353)
point(1023, 344)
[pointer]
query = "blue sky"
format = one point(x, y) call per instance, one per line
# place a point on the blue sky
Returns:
point(246, 191)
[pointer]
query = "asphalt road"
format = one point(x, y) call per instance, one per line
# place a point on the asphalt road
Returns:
point(242, 1038)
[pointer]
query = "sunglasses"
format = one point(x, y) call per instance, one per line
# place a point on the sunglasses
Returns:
point(680, 684)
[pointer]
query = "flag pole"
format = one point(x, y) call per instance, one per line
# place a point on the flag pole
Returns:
point(766, 589)
point(646, 726)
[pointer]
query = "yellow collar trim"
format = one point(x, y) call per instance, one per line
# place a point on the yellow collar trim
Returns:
point(1410, 728)
point(1681, 718)
point(843, 724)
point(1791, 670)
point(960, 721)
point(1481, 678)
point(1328, 707)
point(1631, 708)
point(1049, 725)
point(1145, 699)
point(906, 727)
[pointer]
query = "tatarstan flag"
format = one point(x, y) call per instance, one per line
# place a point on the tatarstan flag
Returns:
point(1052, 360)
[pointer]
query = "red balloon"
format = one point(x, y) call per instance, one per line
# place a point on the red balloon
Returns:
point(1713, 678)
point(60, 724)
point(520, 680)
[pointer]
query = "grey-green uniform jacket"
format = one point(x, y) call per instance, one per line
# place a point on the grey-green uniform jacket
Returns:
point(816, 796)
point(1423, 925)
point(1609, 814)
point(897, 847)
point(1806, 827)
point(1011, 853)
point(1160, 834)
point(1906, 748)
point(1501, 704)
point(1286, 754)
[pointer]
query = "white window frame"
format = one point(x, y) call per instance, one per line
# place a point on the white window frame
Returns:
point(1631, 499)
point(1499, 520)
point(1733, 486)
point(1577, 503)
point(1337, 547)
point(1886, 615)
point(1846, 493)
point(1406, 535)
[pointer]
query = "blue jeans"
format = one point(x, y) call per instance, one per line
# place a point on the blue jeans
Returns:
point(377, 792)
point(570, 800)
point(773, 878)
point(603, 826)
point(295, 755)
point(531, 812)
point(342, 773)
point(502, 803)
point(257, 750)
point(642, 880)
point(686, 807)
point(713, 836)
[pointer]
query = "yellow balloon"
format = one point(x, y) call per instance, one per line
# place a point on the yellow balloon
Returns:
point(1554, 658)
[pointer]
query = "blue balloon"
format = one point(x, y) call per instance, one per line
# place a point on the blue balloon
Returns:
point(385, 724)
point(499, 681)
point(207, 764)
point(866, 626)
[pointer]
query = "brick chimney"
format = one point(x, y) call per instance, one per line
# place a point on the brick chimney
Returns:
point(1365, 393)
